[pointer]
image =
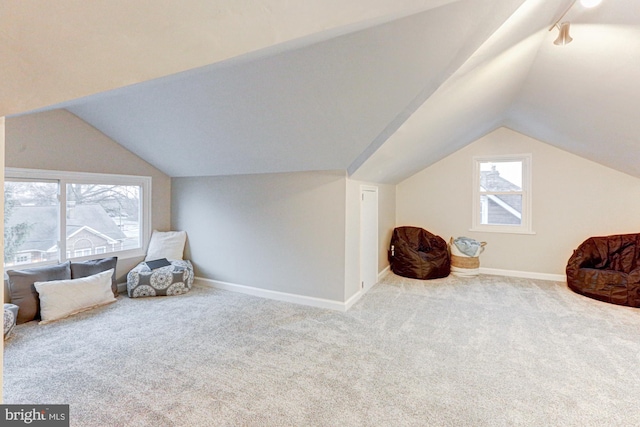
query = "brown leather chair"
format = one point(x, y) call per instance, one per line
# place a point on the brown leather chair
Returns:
point(418, 254)
point(607, 268)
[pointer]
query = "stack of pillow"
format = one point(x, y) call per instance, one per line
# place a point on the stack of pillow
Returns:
point(55, 292)
point(174, 276)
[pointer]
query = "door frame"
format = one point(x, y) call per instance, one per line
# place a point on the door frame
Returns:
point(364, 287)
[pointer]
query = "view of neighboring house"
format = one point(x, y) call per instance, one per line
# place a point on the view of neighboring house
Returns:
point(90, 230)
point(503, 209)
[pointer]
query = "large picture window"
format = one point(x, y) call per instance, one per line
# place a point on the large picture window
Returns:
point(502, 194)
point(54, 216)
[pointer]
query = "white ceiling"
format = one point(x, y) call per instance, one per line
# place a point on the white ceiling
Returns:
point(54, 51)
point(381, 92)
point(585, 97)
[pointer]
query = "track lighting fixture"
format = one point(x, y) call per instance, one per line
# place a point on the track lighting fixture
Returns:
point(563, 37)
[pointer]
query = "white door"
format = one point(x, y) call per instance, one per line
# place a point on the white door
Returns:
point(368, 237)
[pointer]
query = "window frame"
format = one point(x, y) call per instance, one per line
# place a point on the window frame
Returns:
point(525, 226)
point(66, 177)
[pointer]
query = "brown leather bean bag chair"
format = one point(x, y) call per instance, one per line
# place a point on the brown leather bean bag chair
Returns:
point(607, 268)
point(418, 254)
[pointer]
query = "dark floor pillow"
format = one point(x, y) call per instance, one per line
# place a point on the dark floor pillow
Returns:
point(95, 266)
point(24, 294)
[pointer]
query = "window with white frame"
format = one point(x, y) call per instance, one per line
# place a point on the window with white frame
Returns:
point(502, 194)
point(52, 216)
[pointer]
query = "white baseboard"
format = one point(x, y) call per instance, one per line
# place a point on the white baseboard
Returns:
point(384, 272)
point(524, 274)
point(344, 306)
point(354, 299)
point(277, 295)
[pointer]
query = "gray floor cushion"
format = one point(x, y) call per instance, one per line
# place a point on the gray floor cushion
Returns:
point(10, 317)
point(175, 279)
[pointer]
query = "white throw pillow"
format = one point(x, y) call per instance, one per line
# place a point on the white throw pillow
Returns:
point(166, 244)
point(63, 298)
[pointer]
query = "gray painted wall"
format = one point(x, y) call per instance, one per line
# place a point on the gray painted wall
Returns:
point(58, 140)
point(283, 232)
point(286, 232)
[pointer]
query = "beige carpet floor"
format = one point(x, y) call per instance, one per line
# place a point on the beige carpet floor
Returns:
point(484, 351)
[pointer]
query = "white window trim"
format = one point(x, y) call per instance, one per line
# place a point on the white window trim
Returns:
point(66, 177)
point(527, 191)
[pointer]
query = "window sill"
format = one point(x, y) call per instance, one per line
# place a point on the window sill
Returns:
point(127, 254)
point(122, 255)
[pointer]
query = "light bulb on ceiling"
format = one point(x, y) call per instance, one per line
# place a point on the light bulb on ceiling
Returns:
point(590, 3)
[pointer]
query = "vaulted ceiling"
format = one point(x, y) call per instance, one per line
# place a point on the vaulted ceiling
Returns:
point(380, 88)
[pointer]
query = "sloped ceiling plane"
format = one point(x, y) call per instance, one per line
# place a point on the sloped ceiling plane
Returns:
point(378, 88)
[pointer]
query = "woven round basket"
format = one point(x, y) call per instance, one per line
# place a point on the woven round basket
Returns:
point(464, 265)
point(465, 262)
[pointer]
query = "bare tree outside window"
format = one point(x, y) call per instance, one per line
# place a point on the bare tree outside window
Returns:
point(102, 218)
point(30, 235)
point(15, 233)
point(99, 219)
point(117, 200)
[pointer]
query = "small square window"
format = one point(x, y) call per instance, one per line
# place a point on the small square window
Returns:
point(502, 194)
